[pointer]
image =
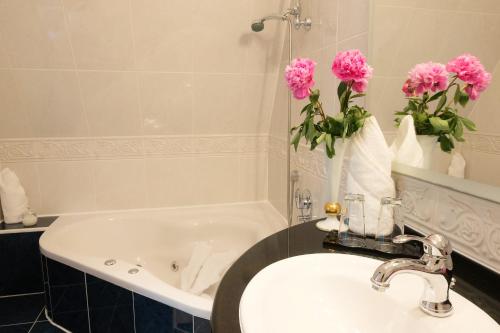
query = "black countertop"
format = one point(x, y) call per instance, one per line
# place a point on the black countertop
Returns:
point(476, 283)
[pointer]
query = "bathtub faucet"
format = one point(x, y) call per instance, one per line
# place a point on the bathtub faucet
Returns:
point(303, 202)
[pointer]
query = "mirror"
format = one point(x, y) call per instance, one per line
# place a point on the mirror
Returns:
point(404, 33)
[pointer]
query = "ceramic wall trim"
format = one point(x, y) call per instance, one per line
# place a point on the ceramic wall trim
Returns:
point(470, 223)
point(313, 162)
point(57, 149)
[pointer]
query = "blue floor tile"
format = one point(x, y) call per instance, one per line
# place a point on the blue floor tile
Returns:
point(20, 309)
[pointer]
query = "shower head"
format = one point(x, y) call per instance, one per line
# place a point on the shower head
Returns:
point(258, 26)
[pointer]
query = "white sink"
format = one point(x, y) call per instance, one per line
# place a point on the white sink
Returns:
point(332, 293)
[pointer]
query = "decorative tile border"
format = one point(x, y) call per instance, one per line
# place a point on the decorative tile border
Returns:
point(55, 149)
point(470, 223)
point(486, 143)
point(313, 162)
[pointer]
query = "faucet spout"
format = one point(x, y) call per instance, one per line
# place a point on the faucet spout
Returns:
point(435, 267)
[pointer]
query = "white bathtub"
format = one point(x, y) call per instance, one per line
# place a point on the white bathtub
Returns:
point(151, 240)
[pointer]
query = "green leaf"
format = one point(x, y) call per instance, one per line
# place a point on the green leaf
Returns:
point(357, 95)
point(341, 89)
point(412, 105)
point(314, 97)
point(306, 108)
point(311, 130)
point(439, 125)
point(321, 138)
point(441, 103)
point(459, 131)
point(469, 124)
point(446, 143)
point(463, 99)
point(436, 96)
point(456, 97)
point(296, 139)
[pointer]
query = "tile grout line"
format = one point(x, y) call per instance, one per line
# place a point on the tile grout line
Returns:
point(36, 319)
point(87, 301)
point(20, 295)
point(133, 311)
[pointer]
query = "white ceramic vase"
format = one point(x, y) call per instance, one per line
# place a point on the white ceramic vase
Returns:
point(428, 143)
point(336, 165)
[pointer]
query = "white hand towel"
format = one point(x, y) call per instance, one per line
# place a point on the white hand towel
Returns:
point(457, 166)
point(13, 197)
point(368, 172)
point(405, 147)
point(200, 254)
point(213, 270)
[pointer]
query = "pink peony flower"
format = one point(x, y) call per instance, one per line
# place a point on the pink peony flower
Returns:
point(470, 70)
point(426, 77)
point(299, 76)
point(350, 66)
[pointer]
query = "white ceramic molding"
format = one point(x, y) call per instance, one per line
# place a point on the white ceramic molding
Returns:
point(55, 149)
point(486, 143)
point(472, 224)
point(313, 162)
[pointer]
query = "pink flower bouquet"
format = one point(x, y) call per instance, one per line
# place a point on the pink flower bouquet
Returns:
point(353, 71)
point(431, 82)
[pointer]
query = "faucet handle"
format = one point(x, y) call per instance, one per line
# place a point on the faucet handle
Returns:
point(435, 244)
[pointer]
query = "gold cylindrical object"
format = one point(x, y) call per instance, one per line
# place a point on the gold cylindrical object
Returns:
point(333, 208)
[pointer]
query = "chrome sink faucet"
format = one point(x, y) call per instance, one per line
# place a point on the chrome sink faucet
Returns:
point(435, 267)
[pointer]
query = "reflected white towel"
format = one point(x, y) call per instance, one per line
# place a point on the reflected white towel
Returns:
point(213, 270)
point(368, 170)
point(200, 254)
point(13, 197)
point(405, 148)
point(457, 166)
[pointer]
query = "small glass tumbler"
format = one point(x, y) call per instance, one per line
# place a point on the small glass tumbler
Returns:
point(390, 224)
point(352, 226)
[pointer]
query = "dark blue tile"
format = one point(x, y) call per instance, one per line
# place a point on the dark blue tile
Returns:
point(45, 327)
point(110, 307)
point(23, 328)
point(20, 309)
point(20, 256)
point(202, 325)
point(69, 298)
point(76, 322)
point(155, 317)
point(61, 275)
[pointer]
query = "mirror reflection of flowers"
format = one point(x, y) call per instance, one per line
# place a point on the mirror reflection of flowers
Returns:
point(431, 82)
point(318, 127)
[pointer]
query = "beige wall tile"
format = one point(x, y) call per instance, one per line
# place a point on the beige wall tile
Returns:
point(353, 18)
point(15, 119)
point(67, 187)
point(120, 184)
point(100, 33)
point(163, 34)
point(253, 178)
point(35, 35)
point(52, 100)
point(216, 179)
point(217, 103)
point(4, 57)
point(172, 182)
point(167, 103)
point(220, 32)
point(111, 102)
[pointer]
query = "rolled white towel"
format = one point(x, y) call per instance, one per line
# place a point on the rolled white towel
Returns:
point(405, 147)
point(13, 197)
point(201, 252)
point(213, 270)
point(457, 166)
point(368, 170)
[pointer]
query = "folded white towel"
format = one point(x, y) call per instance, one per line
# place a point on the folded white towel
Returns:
point(213, 270)
point(13, 197)
point(201, 251)
point(405, 148)
point(368, 172)
point(457, 166)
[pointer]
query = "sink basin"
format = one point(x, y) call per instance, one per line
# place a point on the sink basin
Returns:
point(332, 293)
